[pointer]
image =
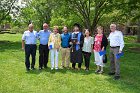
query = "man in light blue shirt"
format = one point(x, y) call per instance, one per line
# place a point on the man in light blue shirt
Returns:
point(29, 39)
point(43, 36)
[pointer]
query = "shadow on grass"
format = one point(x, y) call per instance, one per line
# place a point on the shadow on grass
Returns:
point(65, 71)
point(33, 72)
point(9, 45)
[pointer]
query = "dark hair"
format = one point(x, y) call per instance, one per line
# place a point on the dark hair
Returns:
point(88, 31)
point(77, 25)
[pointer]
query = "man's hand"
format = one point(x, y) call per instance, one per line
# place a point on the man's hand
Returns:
point(23, 48)
point(23, 44)
point(120, 51)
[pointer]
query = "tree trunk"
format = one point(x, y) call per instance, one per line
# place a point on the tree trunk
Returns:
point(138, 37)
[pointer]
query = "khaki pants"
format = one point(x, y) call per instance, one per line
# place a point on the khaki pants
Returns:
point(65, 53)
point(115, 63)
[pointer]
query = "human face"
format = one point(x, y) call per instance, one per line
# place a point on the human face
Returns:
point(112, 27)
point(76, 29)
point(55, 30)
point(87, 33)
point(65, 29)
point(31, 27)
point(99, 31)
point(45, 26)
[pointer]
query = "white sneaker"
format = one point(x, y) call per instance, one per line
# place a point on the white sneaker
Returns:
point(101, 72)
point(56, 68)
point(52, 68)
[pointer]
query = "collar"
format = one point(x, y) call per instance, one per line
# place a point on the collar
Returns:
point(65, 33)
point(76, 32)
point(30, 31)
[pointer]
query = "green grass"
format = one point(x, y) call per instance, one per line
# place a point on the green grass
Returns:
point(14, 78)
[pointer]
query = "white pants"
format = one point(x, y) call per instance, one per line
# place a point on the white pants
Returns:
point(54, 58)
point(98, 59)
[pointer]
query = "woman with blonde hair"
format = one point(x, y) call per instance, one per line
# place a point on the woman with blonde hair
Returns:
point(100, 44)
point(54, 44)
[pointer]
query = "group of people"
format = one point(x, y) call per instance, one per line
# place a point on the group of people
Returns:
point(73, 47)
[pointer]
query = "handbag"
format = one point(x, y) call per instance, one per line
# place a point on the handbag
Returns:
point(105, 58)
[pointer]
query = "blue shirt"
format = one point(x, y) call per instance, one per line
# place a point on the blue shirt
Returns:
point(43, 36)
point(65, 39)
point(30, 37)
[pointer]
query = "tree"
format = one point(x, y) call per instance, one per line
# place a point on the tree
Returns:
point(131, 9)
point(38, 12)
point(91, 11)
point(6, 7)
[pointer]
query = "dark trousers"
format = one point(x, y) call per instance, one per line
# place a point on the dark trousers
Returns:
point(74, 64)
point(87, 59)
point(43, 55)
point(30, 50)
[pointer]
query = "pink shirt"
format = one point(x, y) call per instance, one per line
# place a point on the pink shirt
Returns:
point(97, 44)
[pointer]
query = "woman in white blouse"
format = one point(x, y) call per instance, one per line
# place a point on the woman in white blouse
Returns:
point(87, 48)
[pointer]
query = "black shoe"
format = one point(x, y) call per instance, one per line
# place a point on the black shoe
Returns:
point(87, 69)
point(27, 69)
point(111, 73)
point(97, 71)
point(116, 77)
point(101, 72)
point(45, 67)
point(33, 68)
point(40, 68)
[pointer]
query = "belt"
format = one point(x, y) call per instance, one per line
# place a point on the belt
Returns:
point(65, 47)
point(114, 46)
point(30, 44)
point(44, 45)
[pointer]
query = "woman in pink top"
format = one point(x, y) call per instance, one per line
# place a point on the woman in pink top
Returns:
point(100, 44)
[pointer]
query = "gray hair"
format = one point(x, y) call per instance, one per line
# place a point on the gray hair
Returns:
point(31, 25)
point(114, 25)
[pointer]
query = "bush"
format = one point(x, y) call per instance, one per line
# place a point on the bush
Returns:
point(130, 39)
point(18, 29)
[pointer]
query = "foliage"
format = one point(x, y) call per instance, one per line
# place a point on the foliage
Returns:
point(16, 29)
point(6, 7)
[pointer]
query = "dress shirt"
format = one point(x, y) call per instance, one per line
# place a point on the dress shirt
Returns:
point(30, 37)
point(65, 39)
point(44, 36)
point(116, 39)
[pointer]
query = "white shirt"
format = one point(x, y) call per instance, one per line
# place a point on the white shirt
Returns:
point(116, 39)
point(30, 37)
point(87, 44)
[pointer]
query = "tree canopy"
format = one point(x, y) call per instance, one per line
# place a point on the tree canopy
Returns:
point(89, 13)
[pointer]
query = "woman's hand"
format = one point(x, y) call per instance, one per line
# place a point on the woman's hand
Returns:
point(103, 49)
point(77, 42)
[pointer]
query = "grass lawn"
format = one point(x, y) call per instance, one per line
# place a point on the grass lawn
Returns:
point(15, 79)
